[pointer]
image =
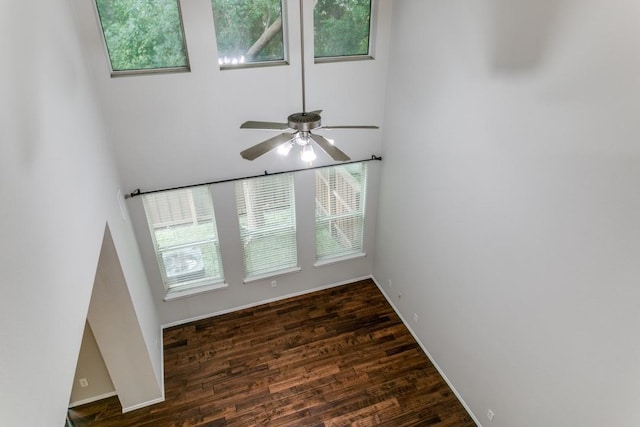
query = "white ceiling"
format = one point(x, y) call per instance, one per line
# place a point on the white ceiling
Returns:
point(183, 128)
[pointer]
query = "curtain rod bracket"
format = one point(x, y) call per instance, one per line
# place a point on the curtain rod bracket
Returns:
point(135, 193)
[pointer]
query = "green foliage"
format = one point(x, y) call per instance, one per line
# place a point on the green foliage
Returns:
point(341, 27)
point(142, 34)
point(239, 24)
point(147, 34)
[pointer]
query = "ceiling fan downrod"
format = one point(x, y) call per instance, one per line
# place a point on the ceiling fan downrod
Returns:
point(304, 97)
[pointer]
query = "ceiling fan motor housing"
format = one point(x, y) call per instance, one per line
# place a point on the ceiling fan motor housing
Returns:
point(304, 121)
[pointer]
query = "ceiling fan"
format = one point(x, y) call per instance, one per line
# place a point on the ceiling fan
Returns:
point(302, 124)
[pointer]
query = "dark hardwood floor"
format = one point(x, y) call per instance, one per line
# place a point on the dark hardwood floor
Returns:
point(338, 357)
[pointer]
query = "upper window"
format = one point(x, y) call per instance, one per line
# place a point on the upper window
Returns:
point(340, 198)
point(266, 212)
point(248, 31)
point(143, 35)
point(185, 237)
point(341, 28)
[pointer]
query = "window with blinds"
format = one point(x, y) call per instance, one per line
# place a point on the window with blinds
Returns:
point(340, 198)
point(266, 212)
point(183, 228)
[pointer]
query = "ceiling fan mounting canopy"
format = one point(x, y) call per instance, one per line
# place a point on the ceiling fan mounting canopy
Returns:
point(304, 121)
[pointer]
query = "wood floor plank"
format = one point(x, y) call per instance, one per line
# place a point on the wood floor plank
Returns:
point(337, 357)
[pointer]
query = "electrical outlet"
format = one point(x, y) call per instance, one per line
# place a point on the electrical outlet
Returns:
point(83, 382)
point(390, 284)
point(490, 415)
point(274, 283)
point(415, 317)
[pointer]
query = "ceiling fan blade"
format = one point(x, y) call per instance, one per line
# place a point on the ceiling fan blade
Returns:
point(348, 127)
point(264, 125)
point(335, 153)
point(264, 147)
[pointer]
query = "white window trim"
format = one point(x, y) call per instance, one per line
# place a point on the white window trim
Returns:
point(347, 58)
point(360, 214)
point(259, 64)
point(343, 258)
point(190, 287)
point(273, 231)
point(143, 71)
point(184, 293)
point(257, 278)
point(373, 19)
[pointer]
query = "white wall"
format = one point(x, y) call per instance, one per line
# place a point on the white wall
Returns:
point(92, 368)
point(113, 317)
point(518, 241)
point(184, 128)
point(58, 188)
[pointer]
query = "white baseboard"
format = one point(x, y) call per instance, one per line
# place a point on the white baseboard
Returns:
point(424, 348)
point(255, 304)
point(92, 399)
point(143, 404)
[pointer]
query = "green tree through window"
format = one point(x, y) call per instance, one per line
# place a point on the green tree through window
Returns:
point(341, 27)
point(248, 31)
point(142, 34)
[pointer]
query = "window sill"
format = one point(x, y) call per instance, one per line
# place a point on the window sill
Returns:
point(174, 295)
point(272, 274)
point(346, 58)
point(329, 261)
point(258, 64)
point(150, 71)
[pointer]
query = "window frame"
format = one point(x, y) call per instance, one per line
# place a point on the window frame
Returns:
point(361, 215)
point(373, 19)
point(144, 71)
point(174, 288)
point(293, 267)
point(259, 64)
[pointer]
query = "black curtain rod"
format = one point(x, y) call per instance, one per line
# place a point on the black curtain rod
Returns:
point(137, 192)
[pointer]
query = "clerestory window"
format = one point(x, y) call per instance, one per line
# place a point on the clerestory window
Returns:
point(143, 35)
point(342, 29)
point(248, 31)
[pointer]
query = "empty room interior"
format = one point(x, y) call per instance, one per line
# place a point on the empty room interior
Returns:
point(449, 185)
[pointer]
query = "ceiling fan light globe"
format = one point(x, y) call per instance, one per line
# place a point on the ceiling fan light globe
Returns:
point(285, 148)
point(308, 155)
point(302, 138)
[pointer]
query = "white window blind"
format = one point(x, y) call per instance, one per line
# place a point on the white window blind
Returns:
point(340, 199)
point(266, 212)
point(183, 228)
